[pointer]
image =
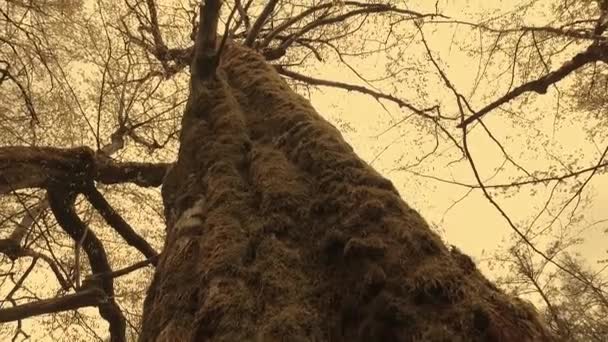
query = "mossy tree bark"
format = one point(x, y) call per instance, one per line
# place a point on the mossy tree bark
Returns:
point(277, 231)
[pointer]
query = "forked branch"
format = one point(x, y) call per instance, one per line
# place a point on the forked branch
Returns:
point(594, 53)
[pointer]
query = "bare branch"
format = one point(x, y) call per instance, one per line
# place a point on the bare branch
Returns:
point(363, 9)
point(142, 174)
point(253, 33)
point(32, 167)
point(205, 57)
point(360, 89)
point(288, 23)
point(519, 233)
point(594, 53)
point(118, 223)
point(554, 31)
point(244, 17)
point(62, 204)
point(13, 250)
point(89, 297)
point(126, 270)
point(5, 73)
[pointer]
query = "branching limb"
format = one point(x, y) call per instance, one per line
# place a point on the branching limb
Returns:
point(142, 174)
point(243, 16)
point(89, 297)
point(292, 21)
point(519, 233)
point(594, 53)
point(62, 204)
point(375, 94)
point(126, 270)
point(359, 9)
point(360, 89)
point(253, 33)
point(29, 104)
point(14, 251)
point(118, 223)
point(205, 57)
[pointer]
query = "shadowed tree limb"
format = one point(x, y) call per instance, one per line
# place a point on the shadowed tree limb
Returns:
point(520, 234)
point(182, 56)
point(293, 20)
point(554, 31)
point(118, 223)
point(89, 297)
point(32, 167)
point(460, 100)
point(363, 9)
point(243, 16)
point(253, 33)
point(5, 74)
point(205, 54)
point(536, 181)
point(61, 201)
point(142, 174)
point(124, 271)
point(14, 251)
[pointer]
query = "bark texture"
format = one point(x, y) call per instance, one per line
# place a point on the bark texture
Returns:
point(277, 231)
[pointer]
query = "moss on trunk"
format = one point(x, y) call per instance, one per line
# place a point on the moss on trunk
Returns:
point(277, 231)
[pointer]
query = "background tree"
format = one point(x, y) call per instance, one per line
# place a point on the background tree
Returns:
point(117, 73)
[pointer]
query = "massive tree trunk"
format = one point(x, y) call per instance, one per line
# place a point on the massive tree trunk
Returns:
point(277, 231)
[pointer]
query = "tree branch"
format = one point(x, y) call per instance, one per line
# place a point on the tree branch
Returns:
point(33, 167)
point(62, 204)
point(26, 97)
point(14, 251)
point(126, 270)
point(244, 17)
point(142, 174)
point(594, 53)
point(205, 57)
point(89, 297)
point(118, 223)
point(360, 89)
point(253, 33)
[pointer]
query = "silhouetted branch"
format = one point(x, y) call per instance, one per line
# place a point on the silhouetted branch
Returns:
point(253, 33)
point(89, 297)
point(535, 181)
point(61, 201)
point(182, 56)
point(360, 89)
point(554, 31)
point(14, 251)
point(5, 74)
point(594, 53)
point(243, 16)
point(118, 223)
point(33, 167)
point(142, 174)
point(126, 270)
point(205, 53)
point(518, 231)
point(293, 20)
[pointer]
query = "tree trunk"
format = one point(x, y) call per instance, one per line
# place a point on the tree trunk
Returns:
point(277, 231)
